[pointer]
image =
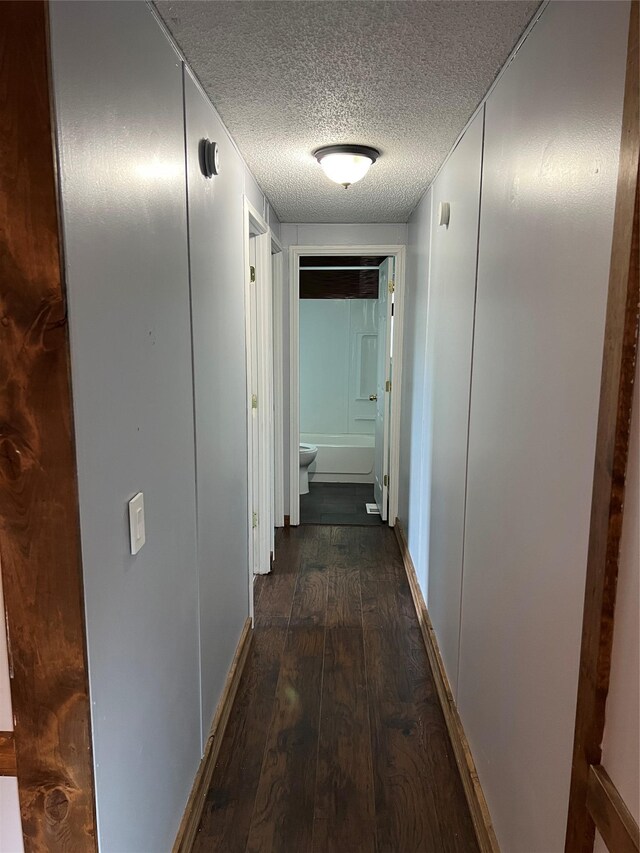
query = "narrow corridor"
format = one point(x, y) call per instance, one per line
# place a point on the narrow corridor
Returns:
point(336, 741)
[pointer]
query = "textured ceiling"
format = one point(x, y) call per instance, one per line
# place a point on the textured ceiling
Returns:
point(291, 75)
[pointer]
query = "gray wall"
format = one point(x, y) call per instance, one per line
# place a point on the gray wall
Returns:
point(550, 170)
point(321, 234)
point(415, 424)
point(452, 301)
point(162, 626)
point(125, 227)
point(217, 294)
point(552, 132)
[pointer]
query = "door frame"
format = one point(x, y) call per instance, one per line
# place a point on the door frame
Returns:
point(398, 252)
point(261, 385)
point(277, 285)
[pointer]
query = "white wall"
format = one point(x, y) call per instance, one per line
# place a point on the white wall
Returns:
point(452, 303)
point(274, 222)
point(324, 365)
point(549, 175)
point(338, 351)
point(118, 93)
point(10, 826)
point(552, 135)
point(217, 298)
point(415, 425)
point(162, 627)
point(621, 745)
point(322, 234)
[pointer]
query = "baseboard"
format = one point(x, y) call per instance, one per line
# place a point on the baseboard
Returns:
point(480, 816)
point(193, 811)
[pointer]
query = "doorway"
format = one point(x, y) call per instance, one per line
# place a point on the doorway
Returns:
point(346, 318)
point(260, 373)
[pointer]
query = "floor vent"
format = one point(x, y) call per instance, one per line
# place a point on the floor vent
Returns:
point(372, 509)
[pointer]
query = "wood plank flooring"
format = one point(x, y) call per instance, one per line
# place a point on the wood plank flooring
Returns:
point(336, 741)
point(337, 504)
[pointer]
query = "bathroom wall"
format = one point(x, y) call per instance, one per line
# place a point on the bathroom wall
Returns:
point(158, 375)
point(338, 351)
point(325, 234)
point(550, 158)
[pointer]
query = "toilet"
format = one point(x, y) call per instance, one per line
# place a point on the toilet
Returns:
point(308, 453)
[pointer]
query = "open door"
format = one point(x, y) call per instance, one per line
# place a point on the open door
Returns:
point(381, 459)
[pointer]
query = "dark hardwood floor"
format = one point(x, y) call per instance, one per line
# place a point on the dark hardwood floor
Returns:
point(338, 503)
point(336, 741)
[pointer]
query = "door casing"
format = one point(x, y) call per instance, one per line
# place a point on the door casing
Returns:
point(398, 253)
point(259, 363)
point(277, 284)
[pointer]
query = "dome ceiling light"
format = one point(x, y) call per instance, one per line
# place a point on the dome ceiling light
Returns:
point(346, 164)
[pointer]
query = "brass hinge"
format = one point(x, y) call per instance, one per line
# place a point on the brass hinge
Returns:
point(254, 401)
point(392, 285)
point(386, 479)
point(387, 385)
point(252, 273)
point(254, 520)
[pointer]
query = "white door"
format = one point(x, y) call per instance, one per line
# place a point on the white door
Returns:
point(381, 457)
point(255, 426)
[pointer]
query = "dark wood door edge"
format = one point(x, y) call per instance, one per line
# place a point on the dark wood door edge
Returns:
point(287, 521)
point(195, 804)
point(7, 754)
point(476, 801)
point(610, 814)
point(39, 517)
point(612, 443)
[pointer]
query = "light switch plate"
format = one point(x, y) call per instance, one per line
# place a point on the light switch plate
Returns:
point(136, 522)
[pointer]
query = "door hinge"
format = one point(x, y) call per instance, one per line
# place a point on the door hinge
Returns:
point(387, 385)
point(252, 274)
point(254, 520)
point(254, 401)
point(386, 480)
point(392, 286)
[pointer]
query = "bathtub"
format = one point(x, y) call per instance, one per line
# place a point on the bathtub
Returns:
point(344, 458)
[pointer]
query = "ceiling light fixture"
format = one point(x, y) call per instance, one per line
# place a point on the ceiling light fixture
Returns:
point(346, 164)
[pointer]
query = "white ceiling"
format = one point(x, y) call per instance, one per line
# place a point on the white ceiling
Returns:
point(290, 75)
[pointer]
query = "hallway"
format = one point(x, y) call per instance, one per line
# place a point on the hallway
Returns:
point(386, 252)
point(336, 740)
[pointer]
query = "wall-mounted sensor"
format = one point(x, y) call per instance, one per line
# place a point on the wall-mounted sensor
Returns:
point(444, 211)
point(209, 156)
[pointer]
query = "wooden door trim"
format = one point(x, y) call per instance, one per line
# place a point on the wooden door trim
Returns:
point(7, 754)
point(39, 518)
point(612, 444)
point(612, 818)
